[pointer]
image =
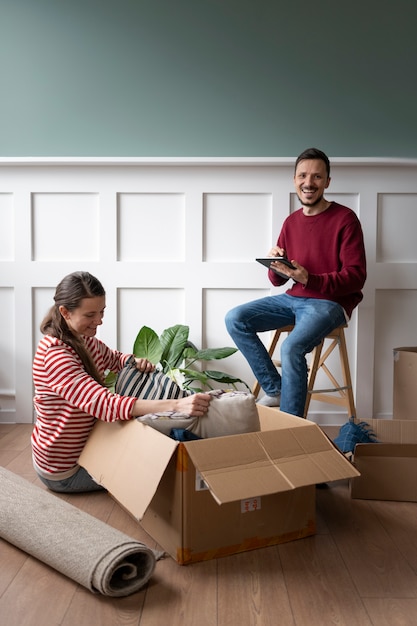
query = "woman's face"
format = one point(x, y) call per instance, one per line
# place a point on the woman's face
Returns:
point(83, 320)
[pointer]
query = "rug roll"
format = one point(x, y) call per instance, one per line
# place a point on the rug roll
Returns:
point(90, 552)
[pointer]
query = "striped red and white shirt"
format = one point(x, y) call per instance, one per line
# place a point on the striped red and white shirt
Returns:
point(68, 401)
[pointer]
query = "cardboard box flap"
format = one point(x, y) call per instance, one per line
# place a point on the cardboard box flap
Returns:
point(236, 467)
point(394, 430)
point(255, 464)
point(388, 472)
point(122, 473)
point(405, 349)
point(274, 419)
point(306, 455)
point(293, 442)
point(386, 450)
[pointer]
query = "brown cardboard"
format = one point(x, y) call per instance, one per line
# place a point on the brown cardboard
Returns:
point(405, 383)
point(213, 497)
point(388, 469)
point(394, 431)
point(187, 522)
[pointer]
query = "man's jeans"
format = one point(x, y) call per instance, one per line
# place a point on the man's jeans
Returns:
point(313, 320)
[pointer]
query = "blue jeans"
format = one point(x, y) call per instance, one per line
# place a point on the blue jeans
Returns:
point(81, 481)
point(313, 320)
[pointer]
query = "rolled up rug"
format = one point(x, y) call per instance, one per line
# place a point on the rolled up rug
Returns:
point(90, 552)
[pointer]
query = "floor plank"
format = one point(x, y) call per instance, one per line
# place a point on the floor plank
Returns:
point(182, 595)
point(392, 611)
point(360, 569)
point(12, 560)
point(319, 585)
point(87, 609)
point(399, 522)
point(372, 558)
point(36, 595)
point(252, 590)
point(15, 438)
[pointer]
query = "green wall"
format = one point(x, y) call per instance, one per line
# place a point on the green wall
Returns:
point(207, 78)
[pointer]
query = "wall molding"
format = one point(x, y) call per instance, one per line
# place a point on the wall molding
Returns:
point(203, 161)
point(186, 231)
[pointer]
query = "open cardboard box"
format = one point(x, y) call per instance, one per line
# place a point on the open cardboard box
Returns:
point(213, 497)
point(388, 470)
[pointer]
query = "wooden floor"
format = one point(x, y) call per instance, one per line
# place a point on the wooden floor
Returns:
point(359, 569)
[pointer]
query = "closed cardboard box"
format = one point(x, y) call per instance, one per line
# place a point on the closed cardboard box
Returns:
point(405, 384)
point(214, 497)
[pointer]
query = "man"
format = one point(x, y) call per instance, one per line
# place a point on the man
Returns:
point(324, 242)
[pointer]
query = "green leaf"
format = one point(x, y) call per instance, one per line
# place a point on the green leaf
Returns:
point(110, 381)
point(212, 354)
point(173, 341)
point(190, 353)
point(173, 350)
point(221, 377)
point(147, 345)
point(191, 375)
point(209, 375)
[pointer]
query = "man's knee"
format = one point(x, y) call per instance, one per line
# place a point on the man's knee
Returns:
point(290, 347)
point(232, 318)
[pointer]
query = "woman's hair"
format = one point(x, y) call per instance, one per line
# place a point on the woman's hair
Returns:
point(314, 153)
point(69, 293)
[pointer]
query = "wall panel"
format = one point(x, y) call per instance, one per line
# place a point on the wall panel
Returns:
point(174, 241)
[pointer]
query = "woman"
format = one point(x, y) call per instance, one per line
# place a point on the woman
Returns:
point(68, 374)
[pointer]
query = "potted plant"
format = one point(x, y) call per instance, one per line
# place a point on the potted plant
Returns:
point(177, 357)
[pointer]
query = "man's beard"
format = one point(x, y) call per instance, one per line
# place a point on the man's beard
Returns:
point(313, 202)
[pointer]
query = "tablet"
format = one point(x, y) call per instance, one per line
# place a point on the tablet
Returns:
point(270, 259)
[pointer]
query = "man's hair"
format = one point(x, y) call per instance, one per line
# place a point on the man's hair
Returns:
point(313, 153)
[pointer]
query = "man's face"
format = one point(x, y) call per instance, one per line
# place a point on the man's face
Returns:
point(310, 181)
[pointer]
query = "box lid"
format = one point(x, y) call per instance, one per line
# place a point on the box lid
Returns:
point(255, 464)
point(129, 460)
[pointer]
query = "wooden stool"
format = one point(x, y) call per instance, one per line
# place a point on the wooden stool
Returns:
point(339, 394)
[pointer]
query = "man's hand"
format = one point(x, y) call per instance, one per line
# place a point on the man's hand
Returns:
point(300, 274)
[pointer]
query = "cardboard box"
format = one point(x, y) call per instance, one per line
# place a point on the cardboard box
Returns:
point(214, 497)
point(388, 470)
point(405, 384)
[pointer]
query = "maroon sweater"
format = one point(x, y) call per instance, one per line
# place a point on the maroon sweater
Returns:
point(330, 246)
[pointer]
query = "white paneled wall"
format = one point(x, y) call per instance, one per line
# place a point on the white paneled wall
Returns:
point(174, 241)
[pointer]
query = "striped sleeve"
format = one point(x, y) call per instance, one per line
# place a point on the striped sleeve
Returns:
point(66, 377)
point(68, 401)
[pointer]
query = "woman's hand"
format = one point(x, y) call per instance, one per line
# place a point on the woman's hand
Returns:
point(143, 365)
point(195, 405)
